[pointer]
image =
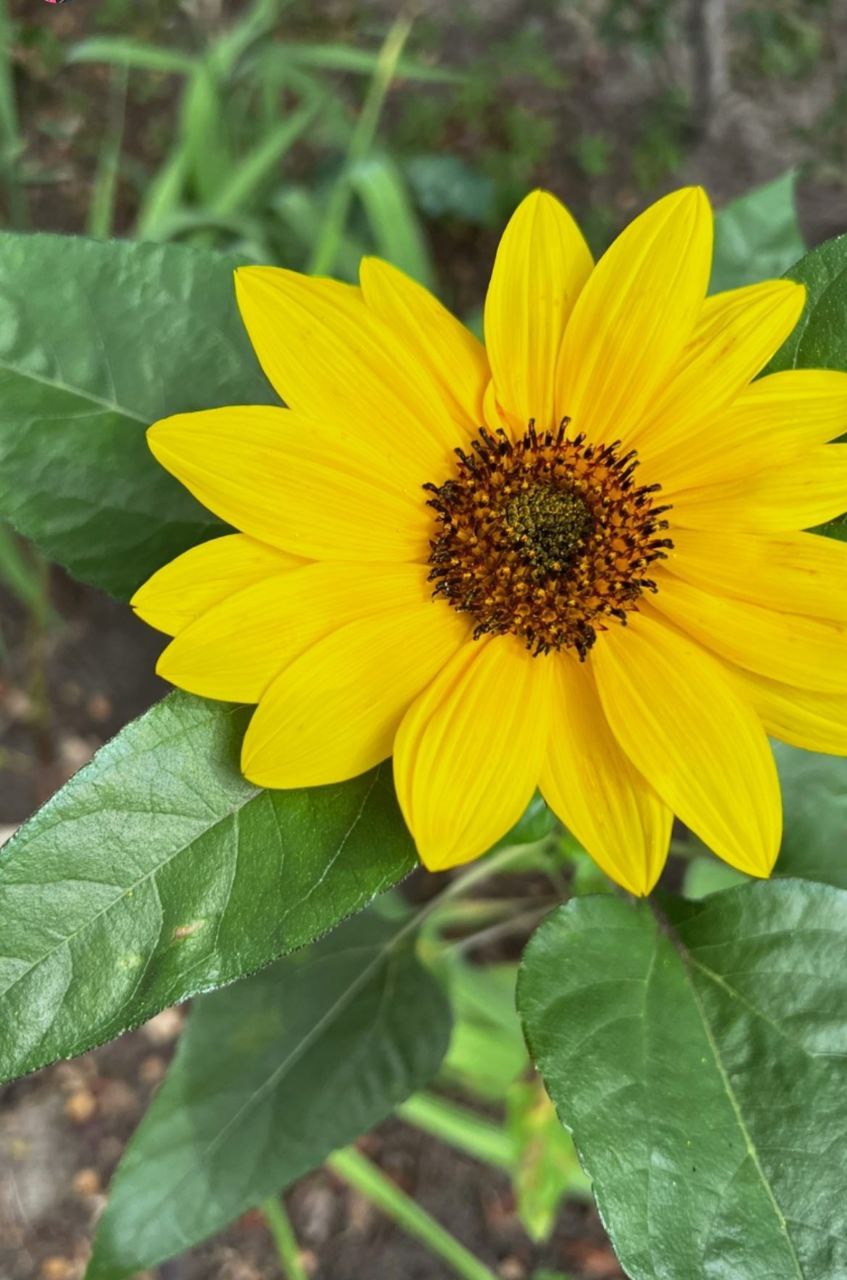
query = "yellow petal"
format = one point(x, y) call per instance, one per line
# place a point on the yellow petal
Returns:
point(333, 713)
point(635, 316)
point(590, 783)
point(805, 718)
point(775, 420)
point(329, 355)
point(314, 490)
point(468, 754)
point(200, 578)
point(541, 265)
point(234, 651)
point(450, 352)
point(791, 572)
point(736, 334)
point(808, 652)
point(797, 495)
point(682, 723)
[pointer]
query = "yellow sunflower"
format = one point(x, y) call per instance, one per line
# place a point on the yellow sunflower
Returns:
point(569, 559)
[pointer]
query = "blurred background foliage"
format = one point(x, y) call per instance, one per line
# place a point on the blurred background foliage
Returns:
point(309, 132)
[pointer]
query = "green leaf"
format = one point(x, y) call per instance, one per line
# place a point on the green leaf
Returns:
point(158, 871)
point(343, 57)
point(487, 1051)
point(126, 51)
point(98, 340)
point(392, 218)
point(270, 1077)
point(814, 793)
point(819, 340)
point(757, 237)
point(445, 186)
point(546, 1168)
point(700, 1061)
point(707, 875)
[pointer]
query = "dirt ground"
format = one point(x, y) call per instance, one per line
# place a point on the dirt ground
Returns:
point(66, 689)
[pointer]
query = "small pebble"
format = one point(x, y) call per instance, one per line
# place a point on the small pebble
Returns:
point(165, 1027)
point(99, 707)
point(80, 1106)
point(59, 1269)
point(152, 1069)
point(86, 1182)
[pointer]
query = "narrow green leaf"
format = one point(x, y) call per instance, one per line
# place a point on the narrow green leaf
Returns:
point(270, 1077)
point(204, 126)
point(126, 51)
point(343, 57)
point(261, 161)
point(125, 334)
point(814, 793)
point(757, 236)
point(158, 871)
point(394, 224)
point(700, 1061)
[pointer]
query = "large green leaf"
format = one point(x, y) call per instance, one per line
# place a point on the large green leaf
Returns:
point(98, 340)
point(820, 339)
point(158, 871)
point(814, 792)
point(270, 1077)
point(757, 236)
point(700, 1059)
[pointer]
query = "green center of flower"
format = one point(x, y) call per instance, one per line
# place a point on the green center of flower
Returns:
point(548, 525)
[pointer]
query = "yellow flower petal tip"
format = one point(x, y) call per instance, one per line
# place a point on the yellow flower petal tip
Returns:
point(404, 582)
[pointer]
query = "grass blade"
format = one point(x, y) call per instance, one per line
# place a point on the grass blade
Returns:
point(101, 210)
point(361, 140)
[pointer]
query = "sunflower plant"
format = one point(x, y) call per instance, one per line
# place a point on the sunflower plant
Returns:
point(509, 608)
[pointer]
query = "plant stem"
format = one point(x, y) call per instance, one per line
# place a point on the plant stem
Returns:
point(101, 210)
point(365, 1178)
point(460, 1127)
point(279, 1225)
point(361, 139)
point(11, 144)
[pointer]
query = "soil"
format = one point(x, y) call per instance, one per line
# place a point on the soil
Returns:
point(67, 687)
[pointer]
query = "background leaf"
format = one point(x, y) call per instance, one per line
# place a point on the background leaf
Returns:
point(158, 871)
point(132, 333)
point(819, 340)
point(814, 792)
point(700, 1061)
point(270, 1077)
point(757, 236)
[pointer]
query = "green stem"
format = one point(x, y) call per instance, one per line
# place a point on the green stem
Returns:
point(365, 1178)
point(361, 139)
point(279, 1225)
point(459, 1127)
point(101, 211)
point(11, 144)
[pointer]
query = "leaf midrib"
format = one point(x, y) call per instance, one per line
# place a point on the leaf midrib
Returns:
point(82, 394)
point(688, 962)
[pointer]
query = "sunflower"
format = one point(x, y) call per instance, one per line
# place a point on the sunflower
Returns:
point(571, 559)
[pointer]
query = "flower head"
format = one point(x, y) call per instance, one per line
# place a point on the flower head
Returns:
point(570, 559)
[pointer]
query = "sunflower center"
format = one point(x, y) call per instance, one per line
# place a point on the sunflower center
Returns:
point(548, 538)
point(548, 524)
